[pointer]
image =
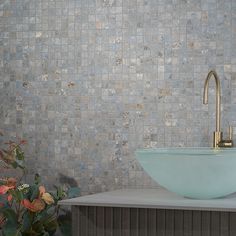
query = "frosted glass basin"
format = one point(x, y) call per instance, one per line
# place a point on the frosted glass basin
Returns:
point(201, 173)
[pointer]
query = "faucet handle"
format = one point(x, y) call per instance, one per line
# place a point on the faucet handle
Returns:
point(227, 143)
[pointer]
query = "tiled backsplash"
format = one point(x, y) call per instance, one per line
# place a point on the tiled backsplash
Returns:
point(87, 82)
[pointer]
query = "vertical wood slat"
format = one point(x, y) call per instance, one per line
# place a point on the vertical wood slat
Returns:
point(160, 226)
point(133, 222)
point(75, 220)
point(196, 223)
point(117, 231)
point(187, 223)
point(215, 223)
point(142, 222)
point(151, 222)
point(100, 229)
point(92, 221)
point(232, 224)
point(224, 224)
point(206, 223)
point(169, 223)
point(179, 223)
point(83, 220)
point(125, 221)
point(108, 221)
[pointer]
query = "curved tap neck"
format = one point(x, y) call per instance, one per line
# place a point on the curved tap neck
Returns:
point(218, 96)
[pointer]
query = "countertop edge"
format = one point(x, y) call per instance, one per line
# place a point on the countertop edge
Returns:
point(167, 200)
point(223, 209)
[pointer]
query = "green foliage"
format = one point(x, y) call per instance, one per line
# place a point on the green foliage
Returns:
point(10, 227)
point(65, 224)
point(28, 210)
point(17, 195)
point(33, 192)
point(19, 154)
point(37, 179)
point(60, 193)
point(27, 221)
point(73, 192)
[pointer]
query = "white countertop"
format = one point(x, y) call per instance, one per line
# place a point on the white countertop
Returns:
point(152, 198)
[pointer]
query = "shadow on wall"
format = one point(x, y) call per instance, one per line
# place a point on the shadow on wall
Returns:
point(63, 179)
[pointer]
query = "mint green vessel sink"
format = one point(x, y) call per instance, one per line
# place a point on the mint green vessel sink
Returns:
point(200, 173)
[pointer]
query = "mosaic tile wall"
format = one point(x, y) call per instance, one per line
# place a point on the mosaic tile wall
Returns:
point(87, 82)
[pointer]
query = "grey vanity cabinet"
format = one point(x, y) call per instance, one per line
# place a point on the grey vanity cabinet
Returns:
point(120, 221)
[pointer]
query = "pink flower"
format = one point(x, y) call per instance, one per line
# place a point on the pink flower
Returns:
point(4, 188)
point(23, 142)
point(47, 197)
point(36, 205)
point(42, 190)
point(9, 198)
point(11, 182)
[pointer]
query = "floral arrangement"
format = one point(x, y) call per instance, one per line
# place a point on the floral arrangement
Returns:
point(29, 209)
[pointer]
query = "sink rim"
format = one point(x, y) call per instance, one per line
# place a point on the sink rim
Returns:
point(184, 148)
point(186, 151)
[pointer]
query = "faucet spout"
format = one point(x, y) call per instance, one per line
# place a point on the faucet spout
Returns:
point(217, 134)
point(218, 96)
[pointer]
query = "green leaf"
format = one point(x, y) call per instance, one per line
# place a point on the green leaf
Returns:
point(20, 164)
point(37, 179)
point(19, 154)
point(27, 221)
point(38, 227)
point(14, 164)
point(10, 228)
point(73, 192)
point(17, 195)
point(65, 224)
point(42, 216)
point(46, 234)
point(34, 192)
point(3, 201)
point(10, 214)
point(30, 233)
point(16, 233)
point(51, 225)
point(59, 195)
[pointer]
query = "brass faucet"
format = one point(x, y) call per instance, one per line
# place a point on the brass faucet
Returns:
point(217, 135)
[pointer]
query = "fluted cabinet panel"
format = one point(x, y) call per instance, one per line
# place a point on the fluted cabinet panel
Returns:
point(116, 221)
